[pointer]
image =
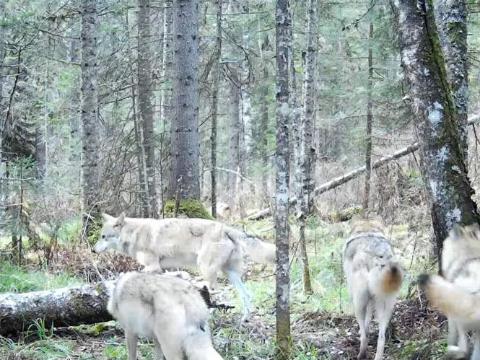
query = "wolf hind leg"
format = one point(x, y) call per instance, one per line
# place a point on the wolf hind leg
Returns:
point(158, 350)
point(361, 304)
point(131, 344)
point(384, 310)
point(476, 345)
point(459, 350)
point(236, 280)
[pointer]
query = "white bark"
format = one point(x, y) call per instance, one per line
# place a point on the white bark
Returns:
point(90, 136)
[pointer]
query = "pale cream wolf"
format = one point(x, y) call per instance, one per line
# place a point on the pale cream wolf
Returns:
point(457, 293)
point(373, 277)
point(178, 243)
point(167, 309)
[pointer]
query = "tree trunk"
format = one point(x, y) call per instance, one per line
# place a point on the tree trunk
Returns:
point(90, 136)
point(2, 55)
point(368, 135)
point(145, 110)
point(283, 56)
point(165, 93)
point(262, 138)
point(307, 149)
point(63, 307)
point(437, 122)
point(185, 143)
point(451, 17)
point(234, 137)
point(215, 85)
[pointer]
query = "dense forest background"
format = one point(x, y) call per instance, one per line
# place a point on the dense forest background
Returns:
point(42, 129)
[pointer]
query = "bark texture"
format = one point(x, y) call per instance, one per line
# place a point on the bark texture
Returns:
point(368, 135)
point(215, 87)
point(63, 307)
point(307, 154)
point(261, 137)
point(167, 43)
point(145, 109)
point(451, 17)
point(90, 136)
point(437, 122)
point(283, 56)
point(185, 143)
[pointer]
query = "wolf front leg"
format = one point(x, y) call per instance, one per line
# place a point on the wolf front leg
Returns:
point(476, 345)
point(236, 280)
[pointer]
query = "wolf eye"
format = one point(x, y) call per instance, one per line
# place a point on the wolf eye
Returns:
point(103, 236)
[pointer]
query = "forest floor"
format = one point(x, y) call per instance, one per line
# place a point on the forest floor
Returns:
point(323, 326)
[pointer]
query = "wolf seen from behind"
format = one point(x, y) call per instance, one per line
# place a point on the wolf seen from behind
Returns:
point(209, 245)
point(373, 277)
point(457, 292)
point(167, 309)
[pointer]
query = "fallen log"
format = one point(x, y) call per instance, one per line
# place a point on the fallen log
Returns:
point(340, 180)
point(85, 304)
point(80, 305)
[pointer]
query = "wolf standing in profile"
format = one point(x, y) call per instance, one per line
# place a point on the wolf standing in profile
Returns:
point(373, 278)
point(179, 243)
point(167, 309)
point(457, 293)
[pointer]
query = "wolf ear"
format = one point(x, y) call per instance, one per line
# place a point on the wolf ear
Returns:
point(456, 232)
point(107, 217)
point(120, 220)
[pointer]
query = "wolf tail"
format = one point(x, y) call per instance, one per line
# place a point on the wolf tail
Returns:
point(391, 279)
point(386, 281)
point(258, 250)
point(450, 299)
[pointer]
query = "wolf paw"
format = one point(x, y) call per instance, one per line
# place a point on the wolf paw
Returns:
point(454, 352)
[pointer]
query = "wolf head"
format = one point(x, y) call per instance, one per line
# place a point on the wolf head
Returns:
point(110, 233)
point(361, 225)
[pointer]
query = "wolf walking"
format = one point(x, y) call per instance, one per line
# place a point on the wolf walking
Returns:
point(373, 277)
point(457, 292)
point(167, 309)
point(177, 243)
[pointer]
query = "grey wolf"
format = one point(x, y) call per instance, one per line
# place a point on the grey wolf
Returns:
point(373, 277)
point(167, 309)
point(457, 292)
point(179, 243)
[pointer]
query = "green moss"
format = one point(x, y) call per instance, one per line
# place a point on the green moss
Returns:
point(189, 207)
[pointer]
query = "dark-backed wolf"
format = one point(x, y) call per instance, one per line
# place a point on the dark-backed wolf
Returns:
point(178, 243)
point(373, 277)
point(167, 309)
point(457, 292)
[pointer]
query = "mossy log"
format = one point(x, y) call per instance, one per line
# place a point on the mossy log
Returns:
point(71, 306)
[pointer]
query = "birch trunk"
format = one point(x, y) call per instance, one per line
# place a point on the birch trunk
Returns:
point(145, 110)
point(283, 45)
point(451, 17)
point(185, 143)
point(307, 152)
point(89, 116)
point(215, 85)
point(368, 137)
point(438, 127)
